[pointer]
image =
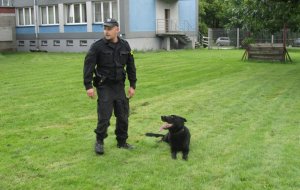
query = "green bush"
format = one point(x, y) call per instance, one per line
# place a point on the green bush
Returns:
point(247, 41)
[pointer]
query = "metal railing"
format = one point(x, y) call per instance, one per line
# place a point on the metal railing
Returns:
point(203, 40)
point(166, 26)
point(169, 26)
point(238, 37)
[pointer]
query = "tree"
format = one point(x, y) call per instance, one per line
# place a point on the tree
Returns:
point(252, 15)
point(212, 14)
point(271, 15)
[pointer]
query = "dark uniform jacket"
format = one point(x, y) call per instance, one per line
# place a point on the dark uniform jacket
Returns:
point(106, 62)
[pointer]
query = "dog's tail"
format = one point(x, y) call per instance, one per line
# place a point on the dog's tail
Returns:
point(154, 135)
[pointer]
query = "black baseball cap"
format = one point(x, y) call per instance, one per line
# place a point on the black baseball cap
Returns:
point(110, 22)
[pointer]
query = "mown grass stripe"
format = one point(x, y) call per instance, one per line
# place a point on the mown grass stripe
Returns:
point(244, 119)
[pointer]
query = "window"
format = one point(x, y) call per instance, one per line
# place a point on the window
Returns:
point(98, 12)
point(49, 14)
point(25, 16)
point(21, 15)
point(69, 42)
point(44, 15)
point(44, 43)
point(83, 42)
point(114, 9)
point(105, 9)
point(21, 43)
point(5, 3)
point(75, 13)
point(32, 43)
point(56, 42)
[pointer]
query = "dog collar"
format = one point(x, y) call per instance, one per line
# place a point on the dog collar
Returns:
point(179, 131)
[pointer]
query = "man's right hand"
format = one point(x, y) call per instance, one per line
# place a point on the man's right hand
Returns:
point(90, 92)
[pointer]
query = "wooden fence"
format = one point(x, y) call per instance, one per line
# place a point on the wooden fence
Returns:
point(266, 52)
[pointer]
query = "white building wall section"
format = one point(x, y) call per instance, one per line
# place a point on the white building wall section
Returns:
point(89, 13)
point(144, 44)
point(160, 10)
point(6, 34)
point(61, 17)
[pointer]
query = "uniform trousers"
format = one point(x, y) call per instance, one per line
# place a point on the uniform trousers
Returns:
point(112, 97)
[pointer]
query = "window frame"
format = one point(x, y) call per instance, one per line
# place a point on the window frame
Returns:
point(102, 11)
point(31, 16)
point(21, 43)
point(6, 3)
point(70, 42)
point(72, 13)
point(44, 43)
point(56, 42)
point(83, 43)
point(32, 43)
point(55, 14)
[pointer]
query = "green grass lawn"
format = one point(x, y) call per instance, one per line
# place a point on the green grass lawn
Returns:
point(244, 118)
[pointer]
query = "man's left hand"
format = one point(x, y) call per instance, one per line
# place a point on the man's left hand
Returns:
point(131, 92)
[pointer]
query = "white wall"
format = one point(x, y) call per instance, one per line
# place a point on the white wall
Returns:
point(161, 6)
point(6, 34)
point(144, 44)
point(160, 15)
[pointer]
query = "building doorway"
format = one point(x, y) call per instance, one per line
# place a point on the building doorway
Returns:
point(167, 20)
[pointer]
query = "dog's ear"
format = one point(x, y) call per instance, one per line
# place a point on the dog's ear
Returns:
point(183, 119)
point(178, 121)
point(180, 118)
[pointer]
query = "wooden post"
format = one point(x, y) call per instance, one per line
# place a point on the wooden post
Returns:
point(284, 35)
point(237, 38)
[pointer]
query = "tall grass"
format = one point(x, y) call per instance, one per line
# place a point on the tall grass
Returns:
point(244, 118)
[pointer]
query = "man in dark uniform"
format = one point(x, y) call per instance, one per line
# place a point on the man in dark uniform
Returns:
point(104, 67)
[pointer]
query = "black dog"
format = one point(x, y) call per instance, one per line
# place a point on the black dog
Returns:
point(178, 136)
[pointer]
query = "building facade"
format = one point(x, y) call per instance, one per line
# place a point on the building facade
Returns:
point(73, 25)
point(7, 26)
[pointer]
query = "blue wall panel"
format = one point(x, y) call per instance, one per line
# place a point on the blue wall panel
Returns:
point(142, 15)
point(97, 27)
point(187, 13)
point(49, 29)
point(25, 30)
point(75, 28)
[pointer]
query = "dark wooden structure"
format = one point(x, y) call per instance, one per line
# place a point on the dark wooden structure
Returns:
point(267, 52)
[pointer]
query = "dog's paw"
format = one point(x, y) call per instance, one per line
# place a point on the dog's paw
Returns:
point(174, 156)
point(185, 157)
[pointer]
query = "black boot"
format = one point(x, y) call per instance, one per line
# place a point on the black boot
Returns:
point(125, 146)
point(99, 147)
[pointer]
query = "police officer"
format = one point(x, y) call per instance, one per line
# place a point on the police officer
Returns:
point(104, 68)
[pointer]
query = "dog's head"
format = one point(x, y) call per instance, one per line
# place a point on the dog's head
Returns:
point(173, 122)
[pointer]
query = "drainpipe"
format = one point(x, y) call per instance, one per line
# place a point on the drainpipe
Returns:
point(36, 16)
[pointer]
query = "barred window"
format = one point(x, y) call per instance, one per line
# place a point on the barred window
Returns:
point(21, 43)
point(83, 43)
point(44, 43)
point(70, 43)
point(32, 43)
point(56, 42)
